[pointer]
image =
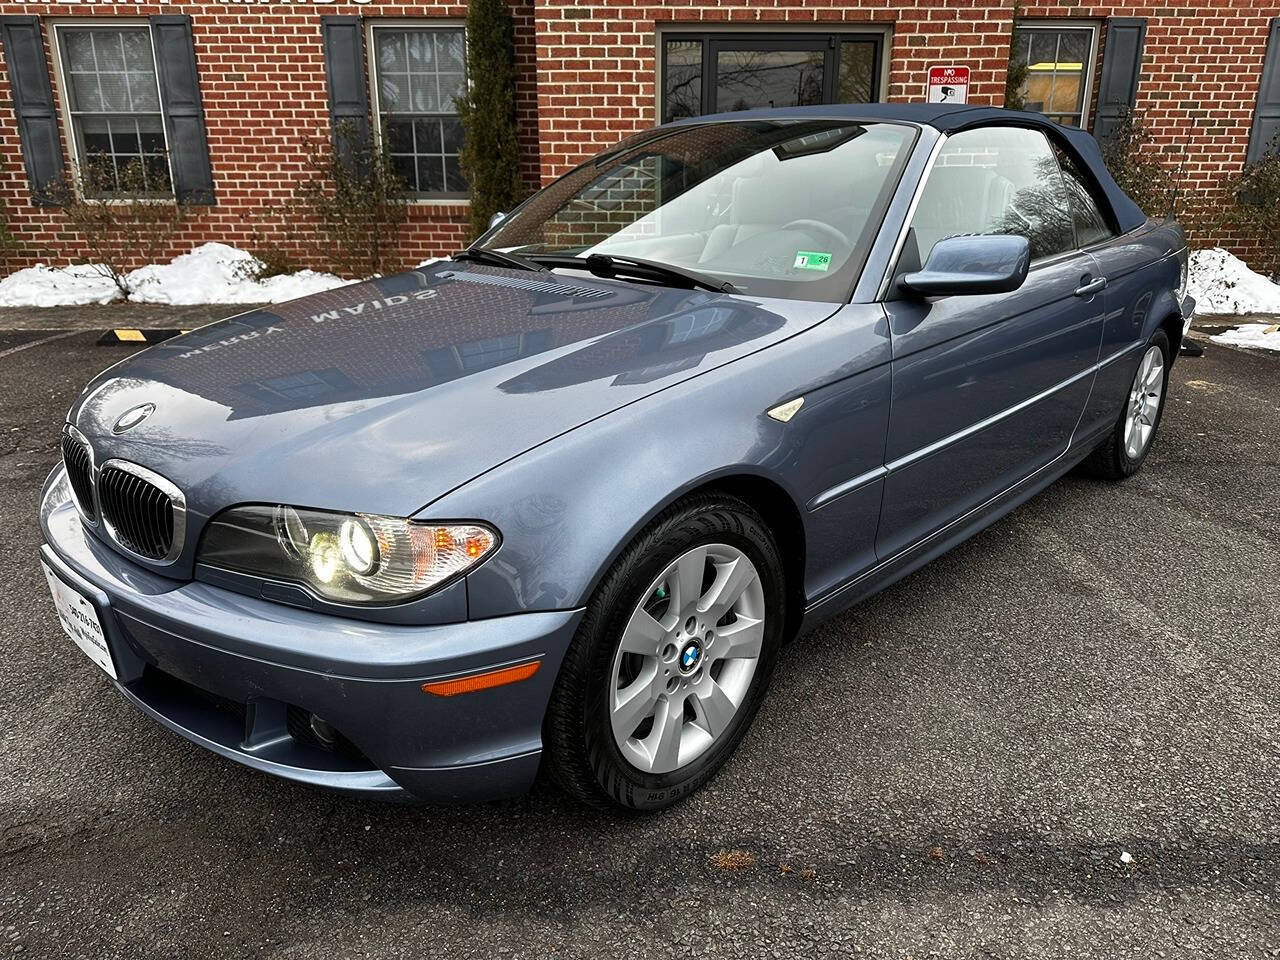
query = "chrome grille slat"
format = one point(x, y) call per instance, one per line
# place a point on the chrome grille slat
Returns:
point(79, 463)
point(143, 512)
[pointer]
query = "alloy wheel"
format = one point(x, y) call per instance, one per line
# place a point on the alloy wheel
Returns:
point(1144, 402)
point(687, 657)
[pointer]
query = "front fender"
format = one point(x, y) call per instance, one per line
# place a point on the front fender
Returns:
point(567, 508)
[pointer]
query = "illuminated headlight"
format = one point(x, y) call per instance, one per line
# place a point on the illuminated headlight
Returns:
point(347, 558)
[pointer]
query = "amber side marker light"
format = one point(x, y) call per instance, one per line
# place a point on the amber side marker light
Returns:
point(482, 681)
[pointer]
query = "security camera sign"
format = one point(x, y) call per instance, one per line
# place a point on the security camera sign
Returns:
point(948, 85)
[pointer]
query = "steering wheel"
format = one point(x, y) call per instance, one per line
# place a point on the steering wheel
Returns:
point(824, 228)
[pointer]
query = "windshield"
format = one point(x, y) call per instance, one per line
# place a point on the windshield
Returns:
point(783, 208)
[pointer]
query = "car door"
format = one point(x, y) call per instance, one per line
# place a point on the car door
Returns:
point(986, 389)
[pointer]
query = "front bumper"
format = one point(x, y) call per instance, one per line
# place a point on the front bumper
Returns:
point(242, 676)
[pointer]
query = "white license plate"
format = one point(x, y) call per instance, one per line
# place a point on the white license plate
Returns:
point(80, 621)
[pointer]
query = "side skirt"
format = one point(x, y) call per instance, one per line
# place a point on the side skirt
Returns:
point(912, 558)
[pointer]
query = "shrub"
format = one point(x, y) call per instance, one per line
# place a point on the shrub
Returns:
point(490, 157)
point(355, 205)
point(1015, 77)
point(124, 220)
point(274, 244)
point(1142, 170)
point(1254, 213)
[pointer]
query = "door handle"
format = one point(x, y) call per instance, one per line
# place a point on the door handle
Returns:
point(1090, 288)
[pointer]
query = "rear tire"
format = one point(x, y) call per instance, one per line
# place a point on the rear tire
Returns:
point(666, 671)
point(1126, 447)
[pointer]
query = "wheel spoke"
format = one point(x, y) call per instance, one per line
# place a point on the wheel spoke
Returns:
point(741, 639)
point(663, 743)
point(732, 579)
point(643, 634)
point(635, 702)
point(713, 707)
point(687, 583)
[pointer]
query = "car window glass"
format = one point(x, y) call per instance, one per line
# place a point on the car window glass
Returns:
point(783, 208)
point(1086, 210)
point(995, 180)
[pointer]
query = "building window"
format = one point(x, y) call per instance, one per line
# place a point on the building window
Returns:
point(1059, 60)
point(711, 73)
point(113, 104)
point(417, 76)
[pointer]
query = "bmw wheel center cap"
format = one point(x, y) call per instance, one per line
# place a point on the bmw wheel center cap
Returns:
point(690, 656)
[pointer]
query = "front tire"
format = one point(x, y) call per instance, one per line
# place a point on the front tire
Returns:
point(1125, 449)
point(671, 660)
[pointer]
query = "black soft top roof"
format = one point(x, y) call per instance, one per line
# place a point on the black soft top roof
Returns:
point(951, 118)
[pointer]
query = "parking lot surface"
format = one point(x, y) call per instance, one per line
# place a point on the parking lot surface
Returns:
point(1059, 740)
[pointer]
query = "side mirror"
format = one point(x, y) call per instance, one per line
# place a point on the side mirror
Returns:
point(963, 266)
point(496, 219)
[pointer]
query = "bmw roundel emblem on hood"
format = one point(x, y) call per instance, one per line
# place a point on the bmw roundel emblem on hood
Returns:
point(132, 417)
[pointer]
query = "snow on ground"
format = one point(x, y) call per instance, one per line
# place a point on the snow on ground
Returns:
point(1221, 283)
point(211, 273)
point(1254, 336)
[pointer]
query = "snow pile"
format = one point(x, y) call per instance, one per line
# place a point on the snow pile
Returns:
point(1221, 283)
point(42, 286)
point(1254, 336)
point(212, 273)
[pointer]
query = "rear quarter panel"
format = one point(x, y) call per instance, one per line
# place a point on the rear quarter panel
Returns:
point(1142, 270)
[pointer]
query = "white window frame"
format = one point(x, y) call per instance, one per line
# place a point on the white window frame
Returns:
point(1090, 68)
point(699, 28)
point(375, 112)
point(64, 99)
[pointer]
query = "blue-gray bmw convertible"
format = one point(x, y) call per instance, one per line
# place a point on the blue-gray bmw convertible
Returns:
point(553, 505)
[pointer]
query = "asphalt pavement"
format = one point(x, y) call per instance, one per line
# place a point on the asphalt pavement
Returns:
point(1059, 740)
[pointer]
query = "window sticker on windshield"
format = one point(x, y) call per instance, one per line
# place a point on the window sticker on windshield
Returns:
point(811, 260)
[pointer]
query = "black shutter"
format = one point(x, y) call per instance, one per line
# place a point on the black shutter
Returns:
point(1121, 68)
point(1264, 139)
point(183, 109)
point(344, 71)
point(33, 104)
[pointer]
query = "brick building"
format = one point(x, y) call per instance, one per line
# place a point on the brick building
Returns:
point(217, 98)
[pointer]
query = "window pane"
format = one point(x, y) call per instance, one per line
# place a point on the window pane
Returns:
point(1091, 224)
point(424, 95)
point(449, 51)
point(452, 135)
point(454, 181)
point(419, 74)
point(399, 134)
point(450, 89)
point(857, 72)
point(768, 78)
point(682, 94)
point(95, 136)
point(991, 181)
point(111, 73)
point(1057, 64)
point(430, 174)
point(142, 93)
point(405, 169)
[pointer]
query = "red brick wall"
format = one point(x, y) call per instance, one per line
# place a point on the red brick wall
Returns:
point(263, 83)
point(1201, 68)
point(587, 78)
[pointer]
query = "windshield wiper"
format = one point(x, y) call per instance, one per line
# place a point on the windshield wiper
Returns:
point(496, 258)
point(613, 264)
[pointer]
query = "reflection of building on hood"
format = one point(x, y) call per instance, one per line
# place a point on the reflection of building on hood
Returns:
point(397, 335)
point(654, 349)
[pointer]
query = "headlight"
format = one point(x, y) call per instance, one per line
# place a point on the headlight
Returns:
point(343, 557)
point(1184, 273)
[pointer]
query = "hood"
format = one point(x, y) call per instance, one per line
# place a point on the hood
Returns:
point(382, 396)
